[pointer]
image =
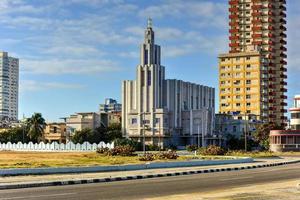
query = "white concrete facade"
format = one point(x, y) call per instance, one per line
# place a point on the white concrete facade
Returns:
point(9, 87)
point(295, 114)
point(164, 112)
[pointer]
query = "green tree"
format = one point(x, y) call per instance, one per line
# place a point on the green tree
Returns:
point(262, 133)
point(85, 135)
point(14, 135)
point(35, 125)
point(114, 131)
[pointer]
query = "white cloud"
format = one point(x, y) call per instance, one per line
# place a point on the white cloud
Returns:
point(68, 66)
point(32, 85)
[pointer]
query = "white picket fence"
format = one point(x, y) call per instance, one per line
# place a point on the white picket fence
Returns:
point(70, 146)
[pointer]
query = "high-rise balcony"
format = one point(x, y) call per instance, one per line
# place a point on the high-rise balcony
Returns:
point(283, 28)
point(283, 35)
point(233, 44)
point(272, 72)
point(283, 104)
point(257, 42)
point(271, 28)
point(256, 28)
point(234, 37)
point(283, 42)
point(270, 13)
point(283, 83)
point(282, 1)
point(233, 23)
point(271, 101)
point(282, 21)
point(257, 7)
point(283, 90)
point(256, 14)
point(233, 16)
point(283, 48)
point(257, 35)
point(283, 110)
point(283, 96)
point(282, 14)
point(256, 21)
point(234, 9)
point(234, 30)
point(283, 76)
point(283, 69)
point(282, 7)
point(233, 2)
point(283, 55)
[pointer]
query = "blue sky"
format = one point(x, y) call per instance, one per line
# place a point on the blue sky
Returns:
point(75, 53)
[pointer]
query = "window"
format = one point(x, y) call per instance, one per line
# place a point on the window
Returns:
point(223, 59)
point(134, 121)
point(238, 97)
point(234, 129)
point(248, 104)
point(149, 78)
point(248, 96)
point(237, 89)
point(248, 58)
point(248, 73)
point(54, 129)
point(238, 67)
point(248, 66)
point(237, 58)
point(248, 89)
point(248, 81)
point(223, 97)
point(238, 104)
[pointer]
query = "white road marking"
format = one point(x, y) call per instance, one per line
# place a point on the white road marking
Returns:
point(237, 178)
point(38, 196)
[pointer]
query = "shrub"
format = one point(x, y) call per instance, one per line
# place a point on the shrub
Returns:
point(147, 157)
point(167, 155)
point(211, 150)
point(102, 150)
point(191, 147)
point(125, 150)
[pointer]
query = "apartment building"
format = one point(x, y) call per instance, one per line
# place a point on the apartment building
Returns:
point(9, 87)
point(252, 75)
point(55, 132)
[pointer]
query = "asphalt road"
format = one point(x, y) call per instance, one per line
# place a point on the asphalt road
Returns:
point(157, 187)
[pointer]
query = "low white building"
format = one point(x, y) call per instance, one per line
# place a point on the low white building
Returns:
point(165, 112)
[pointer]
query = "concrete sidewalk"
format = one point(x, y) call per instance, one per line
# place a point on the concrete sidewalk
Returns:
point(66, 179)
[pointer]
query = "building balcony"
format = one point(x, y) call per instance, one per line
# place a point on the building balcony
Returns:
point(283, 96)
point(283, 90)
point(257, 42)
point(271, 28)
point(233, 23)
point(233, 2)
point(283, 35)
point(283, 69)
point(283, 83)
point(234, 37)
point(233, 16)
point(257, 35)
point(256, 28)
point(283, 28)
point(271, 101)
point(256, 21)
point(256, 14)
point(283, 55)
point(283, 104)
point(283, 21)
point(233, 44)
point(282, 14)
point(234, 9)
point(270, 13)
point(283, 110)
point(282, 7)
point(283, 76)
point(283, 42)
point(235, 30)
point(272, 72)
point(283, 48)
point(272, 116)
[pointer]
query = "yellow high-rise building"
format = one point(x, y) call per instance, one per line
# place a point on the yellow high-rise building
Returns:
point(240, 83)
point(253, 73)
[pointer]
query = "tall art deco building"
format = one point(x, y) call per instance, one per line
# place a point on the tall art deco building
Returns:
point(252, 76)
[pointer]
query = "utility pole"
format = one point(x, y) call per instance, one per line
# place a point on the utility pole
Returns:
point(198, 135)
point(144, 145)
point(246, 122)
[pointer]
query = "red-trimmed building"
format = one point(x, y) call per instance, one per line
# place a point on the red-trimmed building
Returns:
point(288, 140)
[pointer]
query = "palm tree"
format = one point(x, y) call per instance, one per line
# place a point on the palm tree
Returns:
point(35, 127)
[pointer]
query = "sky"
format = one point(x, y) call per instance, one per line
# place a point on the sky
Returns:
point(73, 54)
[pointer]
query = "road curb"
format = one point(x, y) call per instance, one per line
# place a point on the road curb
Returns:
point(102, 180)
